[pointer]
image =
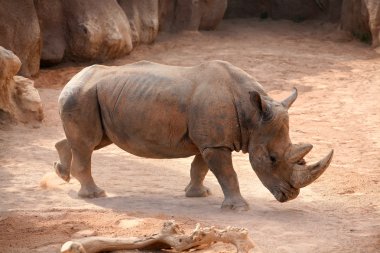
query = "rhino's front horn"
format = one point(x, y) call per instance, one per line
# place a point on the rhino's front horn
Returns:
point(287, 102)
point(304, 175)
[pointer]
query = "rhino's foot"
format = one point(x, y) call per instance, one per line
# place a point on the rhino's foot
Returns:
point(62, 171)
point(197, 191)
point(236, 204)
point(91, 192)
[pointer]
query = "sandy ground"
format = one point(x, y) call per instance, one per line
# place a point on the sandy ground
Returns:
point(339, 86)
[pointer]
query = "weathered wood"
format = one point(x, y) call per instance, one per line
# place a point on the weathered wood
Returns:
point(171, 236)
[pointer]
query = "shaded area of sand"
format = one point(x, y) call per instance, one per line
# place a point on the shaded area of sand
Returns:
point(337, 108)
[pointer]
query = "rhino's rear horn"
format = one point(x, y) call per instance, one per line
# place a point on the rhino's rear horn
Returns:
point(304, 175)
point(287, 102)
point(298, 151)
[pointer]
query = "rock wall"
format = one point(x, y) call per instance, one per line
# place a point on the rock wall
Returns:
point(355, 19)
point(48, 32)
point(212, 12)
point(143, 19)
point(297, 10)
point(178, 15)
point(361, 18)
point(20, 32)
point(19, 100)
point(10, 64)
point(373, 7)
point(82, 30)
point(53, 29)
point(96, 30)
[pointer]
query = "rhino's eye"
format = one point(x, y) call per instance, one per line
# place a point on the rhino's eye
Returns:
point(272, 158)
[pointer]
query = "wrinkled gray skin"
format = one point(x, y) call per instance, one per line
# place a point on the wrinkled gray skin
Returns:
point(207, 111)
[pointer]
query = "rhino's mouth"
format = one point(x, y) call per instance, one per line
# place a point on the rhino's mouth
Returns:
point(301, 162)
point(285, 192)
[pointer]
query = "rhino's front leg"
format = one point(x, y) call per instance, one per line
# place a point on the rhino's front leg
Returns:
point(198, 172)
point(219, 160)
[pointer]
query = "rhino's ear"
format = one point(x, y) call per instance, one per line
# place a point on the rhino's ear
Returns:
point(260, 104)
point(290, 100)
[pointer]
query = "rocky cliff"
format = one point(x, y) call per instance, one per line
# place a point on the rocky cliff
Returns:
point(48, 32)
point(361, 18)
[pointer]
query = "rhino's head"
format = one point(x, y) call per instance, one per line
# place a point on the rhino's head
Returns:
point(278, 163)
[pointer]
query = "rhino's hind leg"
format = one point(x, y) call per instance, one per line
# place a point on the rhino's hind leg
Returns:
point(81, 170)
point(62, 167)
point(219, 161)
point(84, 134)
point(198, 172)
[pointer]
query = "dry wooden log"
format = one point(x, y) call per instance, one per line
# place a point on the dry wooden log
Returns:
point(170, 237)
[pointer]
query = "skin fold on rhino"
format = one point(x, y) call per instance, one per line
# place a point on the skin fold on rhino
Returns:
point(207, 111)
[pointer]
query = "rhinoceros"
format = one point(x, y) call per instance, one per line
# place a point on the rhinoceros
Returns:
point(160, 111)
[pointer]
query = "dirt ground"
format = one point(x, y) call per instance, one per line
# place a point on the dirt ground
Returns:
point(338, 107)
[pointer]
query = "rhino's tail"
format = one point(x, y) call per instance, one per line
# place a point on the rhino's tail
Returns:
point(62, 167)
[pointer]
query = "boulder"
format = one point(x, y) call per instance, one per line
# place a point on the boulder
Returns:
point(19, 100)
point(373, 8)
point(166, 14)
point(212, 13)
point(20, 32)
point(53, 27)
point(27, 100)
point(96, 30)
point(143, 19)
point(191, 15)
point(355, 19)
point(187, 15)
point(10, 65)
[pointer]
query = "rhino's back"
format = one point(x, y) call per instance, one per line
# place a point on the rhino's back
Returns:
point(144, 108)
point(79, 91)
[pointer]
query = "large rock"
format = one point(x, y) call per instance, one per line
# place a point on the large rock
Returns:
point(212, 12)
point(191, 15)
point(27, 100)
point(92, 30)
point(10, 65)
point(143, 19)
point(83, 30)
point(97, 30)
point(53, 27)
point(373, 8)
point(355, 19)
point(19, 100)
point(20, 32)
point(166, 14)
